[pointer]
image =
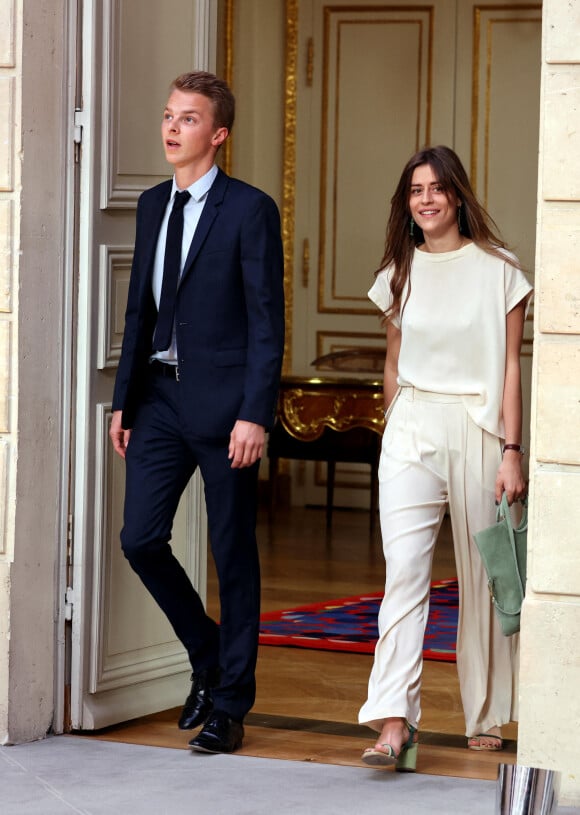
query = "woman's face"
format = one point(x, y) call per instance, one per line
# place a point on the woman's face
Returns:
point(432, 208)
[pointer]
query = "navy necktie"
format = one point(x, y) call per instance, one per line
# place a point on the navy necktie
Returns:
point(171, 270)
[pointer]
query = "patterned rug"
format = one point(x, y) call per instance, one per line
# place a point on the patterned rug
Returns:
point(350, 624)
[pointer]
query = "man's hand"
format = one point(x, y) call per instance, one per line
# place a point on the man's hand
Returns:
point(119, 436)
point(246, 443)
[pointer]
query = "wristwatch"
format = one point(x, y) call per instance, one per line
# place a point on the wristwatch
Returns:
point(517, 447)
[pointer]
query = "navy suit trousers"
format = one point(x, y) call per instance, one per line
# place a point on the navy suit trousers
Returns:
point(160, 460)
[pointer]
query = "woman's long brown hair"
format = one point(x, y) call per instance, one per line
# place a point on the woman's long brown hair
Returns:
point(475, 222)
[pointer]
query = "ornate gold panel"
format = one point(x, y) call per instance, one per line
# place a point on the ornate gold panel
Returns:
point(307, 406)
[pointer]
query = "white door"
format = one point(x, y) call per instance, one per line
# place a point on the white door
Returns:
point(125, 659)
point(376, 82)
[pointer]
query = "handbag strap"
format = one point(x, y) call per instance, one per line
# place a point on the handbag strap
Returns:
point(503, 510)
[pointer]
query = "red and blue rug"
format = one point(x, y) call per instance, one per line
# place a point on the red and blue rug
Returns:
point(350, 624)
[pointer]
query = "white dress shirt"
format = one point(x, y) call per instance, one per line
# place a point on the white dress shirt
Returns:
point(191, 215)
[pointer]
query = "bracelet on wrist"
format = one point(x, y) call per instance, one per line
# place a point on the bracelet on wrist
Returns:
point(516, 447)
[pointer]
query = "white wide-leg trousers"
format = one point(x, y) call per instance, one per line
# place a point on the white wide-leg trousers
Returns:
point(433, 454)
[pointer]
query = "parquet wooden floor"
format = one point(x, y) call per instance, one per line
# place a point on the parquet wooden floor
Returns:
point(307, 701)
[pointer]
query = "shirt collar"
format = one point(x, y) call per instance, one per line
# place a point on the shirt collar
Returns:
point(200, 188)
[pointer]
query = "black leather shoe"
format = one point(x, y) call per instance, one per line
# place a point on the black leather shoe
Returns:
point(220, 734)
point(199, 702)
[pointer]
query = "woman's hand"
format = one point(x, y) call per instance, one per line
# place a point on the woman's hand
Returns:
point(510, 478)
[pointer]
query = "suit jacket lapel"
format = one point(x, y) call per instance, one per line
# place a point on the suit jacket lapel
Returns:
point(214, 200)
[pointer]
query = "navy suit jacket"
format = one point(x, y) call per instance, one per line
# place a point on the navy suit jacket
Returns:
point(229, 314)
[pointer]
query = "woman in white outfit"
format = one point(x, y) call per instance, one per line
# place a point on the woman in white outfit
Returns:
point(454, 302)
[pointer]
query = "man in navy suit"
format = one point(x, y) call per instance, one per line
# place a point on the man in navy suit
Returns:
point(196, 387)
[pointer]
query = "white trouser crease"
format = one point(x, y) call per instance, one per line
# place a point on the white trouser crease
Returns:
point(433, 454)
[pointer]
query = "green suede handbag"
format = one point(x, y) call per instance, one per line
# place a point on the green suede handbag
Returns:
point(503, 550)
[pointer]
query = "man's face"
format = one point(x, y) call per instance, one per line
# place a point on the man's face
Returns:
point(189, 134)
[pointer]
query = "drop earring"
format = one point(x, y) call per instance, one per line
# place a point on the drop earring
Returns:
point(459, 219)
point(411, 227)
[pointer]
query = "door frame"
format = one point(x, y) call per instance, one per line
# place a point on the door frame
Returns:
point(75, 586)
point(72, 71)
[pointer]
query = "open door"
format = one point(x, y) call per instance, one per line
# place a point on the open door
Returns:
point(125, 660)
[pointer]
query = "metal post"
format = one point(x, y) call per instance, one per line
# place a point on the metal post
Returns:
point(526, 790)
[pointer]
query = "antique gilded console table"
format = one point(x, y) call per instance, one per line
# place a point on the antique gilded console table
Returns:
point(332, 420)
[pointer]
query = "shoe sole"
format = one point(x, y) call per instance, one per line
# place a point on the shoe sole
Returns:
point(199, 749)
point(378, 759)
point(485, 749)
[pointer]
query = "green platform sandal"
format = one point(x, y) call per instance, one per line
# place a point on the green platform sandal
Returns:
point(405, 761)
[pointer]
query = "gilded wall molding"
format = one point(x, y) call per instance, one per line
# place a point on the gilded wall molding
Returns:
point(228, 45)
point(289, 169)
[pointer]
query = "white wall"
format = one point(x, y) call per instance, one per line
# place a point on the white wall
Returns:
point(550, 640)
point(32, 44)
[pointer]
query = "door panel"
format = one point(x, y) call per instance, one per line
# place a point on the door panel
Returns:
point(130, 639)
point(378, 81)
point(498, 113)
point(382, 85)
point(375, 82)
point(497, 130)
point(379, 89)
point(125, 659)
